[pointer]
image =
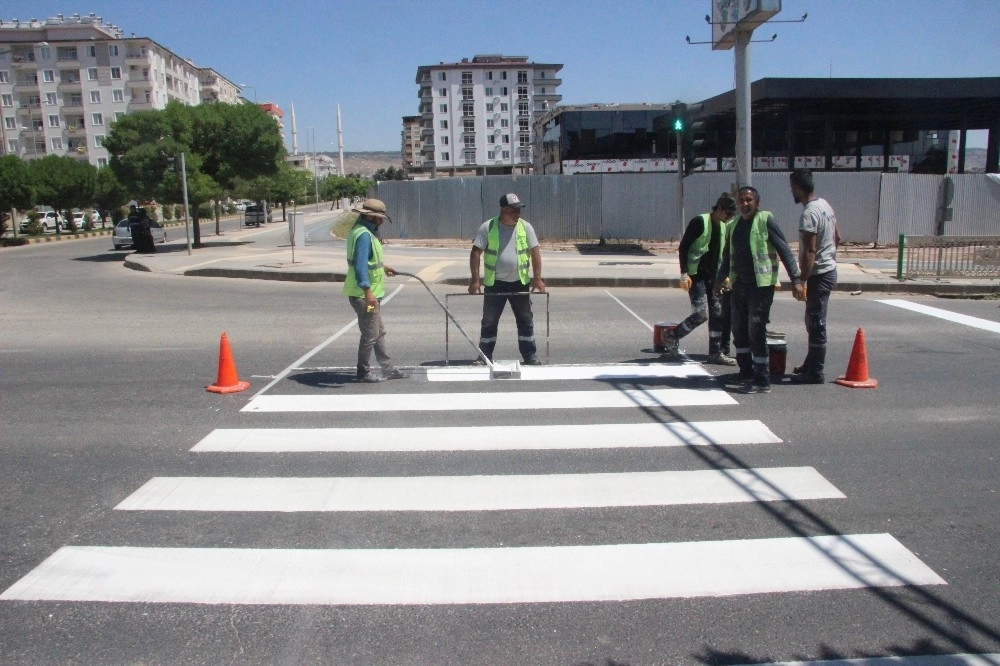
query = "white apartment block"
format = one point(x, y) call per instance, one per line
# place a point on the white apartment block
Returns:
point(478, 114)
point(412, 143)
point(65, 80)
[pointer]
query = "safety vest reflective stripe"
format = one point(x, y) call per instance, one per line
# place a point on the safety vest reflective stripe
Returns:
point(376, 271)
point(762, 252)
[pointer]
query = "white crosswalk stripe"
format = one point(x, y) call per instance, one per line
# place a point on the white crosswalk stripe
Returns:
point(472, 575)
point(487, 438)
point(479, 493)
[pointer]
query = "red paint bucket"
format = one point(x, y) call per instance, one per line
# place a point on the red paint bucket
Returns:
point(659, 330)
point(777, 355)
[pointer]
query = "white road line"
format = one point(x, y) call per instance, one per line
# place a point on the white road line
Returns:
point(470, 373)
point(927, 660)
point(315, 350)
point(487, 438)
point(408, 402)
point(975, 322)
point(471, 575)
point(628, 310)
point(480, 493)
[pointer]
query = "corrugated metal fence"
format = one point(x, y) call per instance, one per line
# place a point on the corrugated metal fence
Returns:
point(871, 207)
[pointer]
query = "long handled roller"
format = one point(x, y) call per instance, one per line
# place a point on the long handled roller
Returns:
point(501, 370)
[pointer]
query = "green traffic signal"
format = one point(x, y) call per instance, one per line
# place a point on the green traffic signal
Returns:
point(678, 124)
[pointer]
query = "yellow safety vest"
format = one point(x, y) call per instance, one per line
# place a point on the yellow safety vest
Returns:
point(493, 249)
point(376, 273)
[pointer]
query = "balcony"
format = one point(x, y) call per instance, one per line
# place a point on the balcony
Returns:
point(548, 97)
point(136, 57)
point(547, 81)
point(69, 84)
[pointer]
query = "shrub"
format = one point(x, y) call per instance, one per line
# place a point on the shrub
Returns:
point(88, 222)
point(168, 213)
point(206, 211)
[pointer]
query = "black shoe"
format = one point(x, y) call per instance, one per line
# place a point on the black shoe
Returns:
point(738, 378)
point(479, 361)
point(394, 373)
point(754, 387)
point(367, 378)
point(532, 360)
point(807, 378)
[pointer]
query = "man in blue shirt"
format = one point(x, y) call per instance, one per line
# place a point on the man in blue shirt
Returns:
point(364, 287)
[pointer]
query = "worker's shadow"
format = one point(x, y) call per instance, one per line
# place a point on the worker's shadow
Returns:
point(323, 379)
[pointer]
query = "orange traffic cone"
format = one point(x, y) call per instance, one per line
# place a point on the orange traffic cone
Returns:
point(857, 367)
point(228, 381)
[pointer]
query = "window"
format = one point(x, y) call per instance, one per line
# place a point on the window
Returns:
point(76, 99)
point(490, 155)
point(468, 109)
point(466, 77)
point(12, 146)
point(503, 75)
point(51, 99)
point(98, 141)
point(466, 92)
point(118, 95)
point(91, 51)
point(442, 92)
point(503, 91)
point(57, 143)
point(489, 122)
point(490, 139)
point(525, 155)
point(524, 140)
point(95, 96)
point(45, 53)
point(445, 157)
point(489, 75)
point(7, 100)
point(48, 76)
point(504, 122)
point(97, 119)
point(92, 74)
point(444, 141)
point(522, 124)
point(470, 157)
point(102, 162)
point(443, 108)
point(10, 123)
point(444, 124)
point(522, 92)
point(506, 154)
point(489, 92)
point(443, 76)
point(119, 115)
point(506, 138)
point(489, 108)
point(522, 108)
point(522, 76)
point(4, 77)
point(112, 50)
point(116, 73)
point(469, 124)
point(470, 141)
point(503, 107)
point(53, 121)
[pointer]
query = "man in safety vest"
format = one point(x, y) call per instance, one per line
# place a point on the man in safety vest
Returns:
point(512, 265)
point(700, 252)
point(364, 287)
point(751, 264)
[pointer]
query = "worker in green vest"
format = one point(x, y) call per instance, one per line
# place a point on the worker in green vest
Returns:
point(364, 287)
point(751, 264)
point(700, 253)
point(512, 266)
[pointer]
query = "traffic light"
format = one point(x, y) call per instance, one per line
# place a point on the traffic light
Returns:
point(693, 139)
point(679, 112)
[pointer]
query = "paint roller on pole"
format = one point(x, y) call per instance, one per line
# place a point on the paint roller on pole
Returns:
point(498, 369)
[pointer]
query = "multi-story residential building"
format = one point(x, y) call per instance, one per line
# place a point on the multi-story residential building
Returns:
point(412, 142)
point(478, 114)
point(65, 80)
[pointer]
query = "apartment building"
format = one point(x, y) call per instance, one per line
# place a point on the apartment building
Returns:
point(66, 79)
point(412, 143)
point(477, 115)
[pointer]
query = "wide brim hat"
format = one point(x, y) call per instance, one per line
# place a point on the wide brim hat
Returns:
point(372, 207)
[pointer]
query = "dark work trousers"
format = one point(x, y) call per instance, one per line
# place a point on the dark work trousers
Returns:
point(372, 336)
point(706, 306)
point(818, 288)
point(751, 314)
point(493, 306)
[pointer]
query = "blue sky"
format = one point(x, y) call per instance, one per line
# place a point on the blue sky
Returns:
point(364, 54)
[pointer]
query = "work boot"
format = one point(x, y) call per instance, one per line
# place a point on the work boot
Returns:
point(532, 360)
point(393, 372)
point(366, 377)
point(803, 377)
point(754, 386)
point(671, 345)
point(719, 358)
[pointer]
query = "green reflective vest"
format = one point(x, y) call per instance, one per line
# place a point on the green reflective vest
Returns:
point(765, 257)
point(700, 246)
point(493, 249)
point(376, 273)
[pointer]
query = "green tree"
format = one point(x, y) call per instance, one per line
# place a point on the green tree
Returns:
point(109, 195)
point(64, 183)
point(16, 191)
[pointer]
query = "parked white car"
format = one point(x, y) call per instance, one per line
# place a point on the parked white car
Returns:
point(122, 235)
point(78, 215)
point(49, 219)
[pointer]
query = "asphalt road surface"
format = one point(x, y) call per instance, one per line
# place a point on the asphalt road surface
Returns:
point(603, 509)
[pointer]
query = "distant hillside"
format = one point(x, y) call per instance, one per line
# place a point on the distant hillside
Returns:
point(367, 163)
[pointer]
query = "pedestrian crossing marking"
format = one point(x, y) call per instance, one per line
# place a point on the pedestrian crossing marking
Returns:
point(487, 438)
point(511, 492)
point(975, 322)
point(522, 400)
point(471, 575)
point(471, 373)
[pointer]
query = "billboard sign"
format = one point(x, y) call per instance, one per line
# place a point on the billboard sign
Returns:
point(731, 16)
